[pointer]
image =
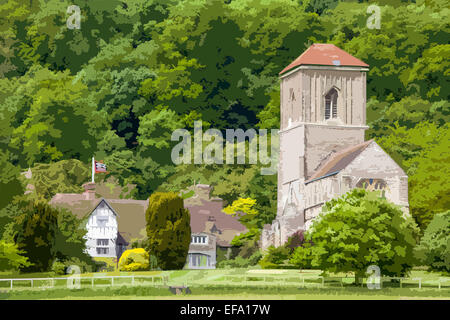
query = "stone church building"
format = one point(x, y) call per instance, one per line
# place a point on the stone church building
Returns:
point(323, 153)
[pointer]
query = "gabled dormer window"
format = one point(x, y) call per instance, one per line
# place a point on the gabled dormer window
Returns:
point(199, 240)
point(331, 104)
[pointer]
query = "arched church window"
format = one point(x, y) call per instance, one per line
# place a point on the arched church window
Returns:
point(373, 185)
point(331, 104)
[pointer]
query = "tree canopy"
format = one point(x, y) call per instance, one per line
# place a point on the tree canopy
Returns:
point(358, 230)
point(136, 70)
point(434, 247)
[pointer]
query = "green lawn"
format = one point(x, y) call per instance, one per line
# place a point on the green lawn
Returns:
point(229, 284)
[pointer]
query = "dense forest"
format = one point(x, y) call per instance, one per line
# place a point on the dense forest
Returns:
point(136, 70)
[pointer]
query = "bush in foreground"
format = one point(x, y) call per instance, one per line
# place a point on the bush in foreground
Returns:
point(134, 260)
point(275, 257)
point(240, 262)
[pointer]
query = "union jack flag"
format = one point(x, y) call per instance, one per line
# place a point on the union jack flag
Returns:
point(100, 167)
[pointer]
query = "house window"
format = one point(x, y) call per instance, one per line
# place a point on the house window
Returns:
point(199, 239)
point(102, 221)
point(199, 260)
point(102, 250)
point(102, 242)
point(331, 104)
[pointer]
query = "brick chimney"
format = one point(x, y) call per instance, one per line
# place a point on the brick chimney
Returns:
point(89, 191)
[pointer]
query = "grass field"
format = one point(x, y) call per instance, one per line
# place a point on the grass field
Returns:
point(228, 284)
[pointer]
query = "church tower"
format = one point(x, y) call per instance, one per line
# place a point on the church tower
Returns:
point(323, 154)
point(323, 107)
point(323, 111)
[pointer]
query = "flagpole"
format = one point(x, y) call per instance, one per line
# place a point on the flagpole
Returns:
point(93, 169)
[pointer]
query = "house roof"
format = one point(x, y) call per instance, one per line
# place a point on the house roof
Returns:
point(102, 200)
point(206, 214)
point(325, 54)
point(130, 213)
point(338, 161)
point(121, 240)
point(131, 218)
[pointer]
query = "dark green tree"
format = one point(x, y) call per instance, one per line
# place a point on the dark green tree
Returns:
point(319, 6)
point(9, 180)
point(35, 231)
point(168, 230)
point(69, 241)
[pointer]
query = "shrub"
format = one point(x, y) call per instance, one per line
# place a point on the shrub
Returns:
point(244, 246)
point(134, 260)
point(434, 247)
point(275, 257)
point(302, 256)
point(296, 240)
point(240, 262)
point(60, 267)
point(280, 257)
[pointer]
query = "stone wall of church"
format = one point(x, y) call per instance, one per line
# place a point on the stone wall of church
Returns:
point(375, 164)
point(290, 97)
point(320, 191)
point(291, 161)
point(302, 95)
point(304, 147)
point(323, 140)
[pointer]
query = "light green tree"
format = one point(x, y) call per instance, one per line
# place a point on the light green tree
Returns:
point(434, 247)
point(360, 229)
point(11, 258)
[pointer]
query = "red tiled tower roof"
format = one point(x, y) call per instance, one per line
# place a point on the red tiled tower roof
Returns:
point(326, 55)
